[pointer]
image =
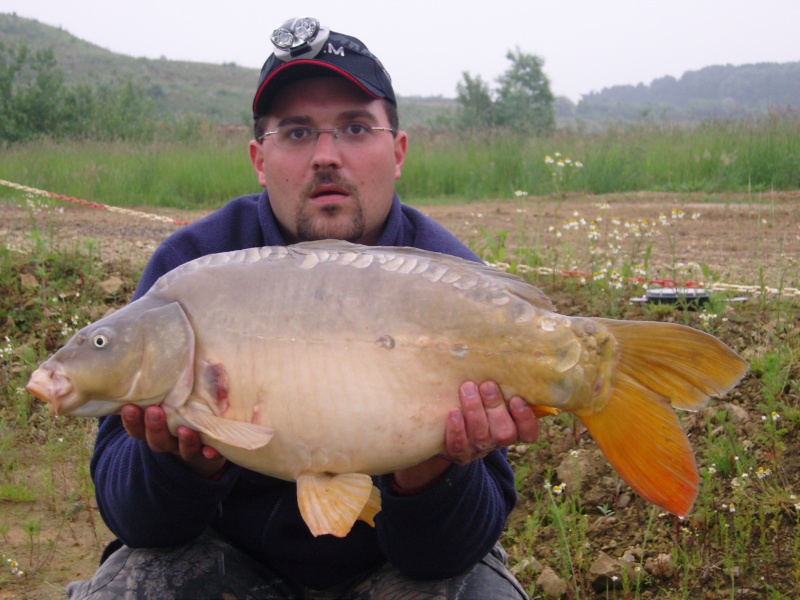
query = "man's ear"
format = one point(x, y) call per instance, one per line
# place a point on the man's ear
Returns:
point(400, 147)
point(257, 160)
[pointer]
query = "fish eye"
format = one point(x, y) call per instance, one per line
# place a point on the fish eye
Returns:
point(100, 341)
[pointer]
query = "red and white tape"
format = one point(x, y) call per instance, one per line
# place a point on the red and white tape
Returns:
point(87, 203)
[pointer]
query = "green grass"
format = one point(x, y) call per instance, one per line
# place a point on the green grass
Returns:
point(197, 166)
point(742, 156)
point(203, 171)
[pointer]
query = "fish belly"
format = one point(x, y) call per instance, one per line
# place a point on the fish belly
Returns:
point(339, 409)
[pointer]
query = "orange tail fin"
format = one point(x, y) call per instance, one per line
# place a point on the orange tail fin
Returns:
point(660, 366)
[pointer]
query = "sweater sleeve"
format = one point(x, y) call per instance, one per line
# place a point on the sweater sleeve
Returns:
point(445, 529)
point(149, 499)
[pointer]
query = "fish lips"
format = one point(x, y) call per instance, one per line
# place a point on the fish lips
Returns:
point(50, 384)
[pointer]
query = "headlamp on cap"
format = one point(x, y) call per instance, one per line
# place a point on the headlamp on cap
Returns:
point(304, 48)
point(297, 37)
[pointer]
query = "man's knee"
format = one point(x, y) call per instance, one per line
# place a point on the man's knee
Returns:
point(490, 578)
point(208, 567)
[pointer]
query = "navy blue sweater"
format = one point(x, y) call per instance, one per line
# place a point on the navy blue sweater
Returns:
point(150, 500)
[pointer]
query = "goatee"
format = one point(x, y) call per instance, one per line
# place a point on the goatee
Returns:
point(334, 221)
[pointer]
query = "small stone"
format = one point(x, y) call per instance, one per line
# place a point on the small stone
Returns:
point(734, 572)
point(736, 413)
point(660, 567)
point(528, 565)
point(636, 552)
point(551, 584)
point(28, 281)
point(111, 285)
point(606, 573)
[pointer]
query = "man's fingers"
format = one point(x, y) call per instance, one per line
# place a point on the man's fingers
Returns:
point(475, 417)
point(150, 426)
point(526, 422)
point(502, 430)
point(189, 445)
point(210, 453)
point(157, 433)
point(133, 421)
point(456, 444)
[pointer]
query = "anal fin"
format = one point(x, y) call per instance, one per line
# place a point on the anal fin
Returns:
point(331, 504)
point(371, 508)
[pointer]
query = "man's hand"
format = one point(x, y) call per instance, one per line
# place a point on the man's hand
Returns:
point(484, 422)
point(150, 425)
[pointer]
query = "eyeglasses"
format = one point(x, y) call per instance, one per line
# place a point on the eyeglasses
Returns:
point(295, 137)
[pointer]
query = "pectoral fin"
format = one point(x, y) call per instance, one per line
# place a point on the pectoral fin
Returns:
point(233, 433)
point(331, 504)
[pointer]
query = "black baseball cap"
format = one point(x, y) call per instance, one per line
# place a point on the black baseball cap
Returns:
point(304, 48)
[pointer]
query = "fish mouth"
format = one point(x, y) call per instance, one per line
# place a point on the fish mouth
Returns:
point(50, 384)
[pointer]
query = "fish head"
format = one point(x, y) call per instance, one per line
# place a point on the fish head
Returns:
point(136, 355)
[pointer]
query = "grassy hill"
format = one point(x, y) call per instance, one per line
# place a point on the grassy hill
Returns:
point(221, 93)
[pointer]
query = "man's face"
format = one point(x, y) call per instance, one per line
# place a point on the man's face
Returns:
point(329, 190)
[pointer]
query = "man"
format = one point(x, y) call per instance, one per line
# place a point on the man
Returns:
point(327, 151)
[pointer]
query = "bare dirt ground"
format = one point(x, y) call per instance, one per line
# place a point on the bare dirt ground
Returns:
point(752, 240)
point(736, 235)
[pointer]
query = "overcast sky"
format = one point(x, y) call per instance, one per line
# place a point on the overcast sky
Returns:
point(426, 45)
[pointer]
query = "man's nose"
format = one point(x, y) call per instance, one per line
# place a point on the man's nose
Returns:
point(326, 150)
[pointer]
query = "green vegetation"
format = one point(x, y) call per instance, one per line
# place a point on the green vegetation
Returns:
point(217, 93)
point(198, 166)
point(523, 101)
point(105, 142)
point(754, 154)
point(47, 292)
point(204, 170)
point(37, 103)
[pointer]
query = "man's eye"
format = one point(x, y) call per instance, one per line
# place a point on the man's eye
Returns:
point(297, 133)
point(355, 129)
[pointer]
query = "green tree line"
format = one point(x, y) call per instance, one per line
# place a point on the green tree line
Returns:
point(36, 102)
point(715, 92)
